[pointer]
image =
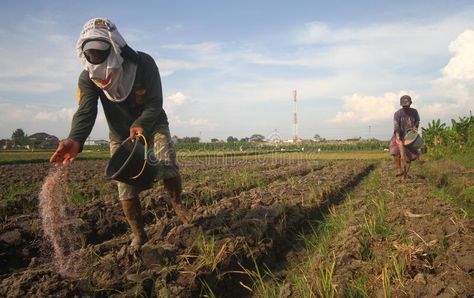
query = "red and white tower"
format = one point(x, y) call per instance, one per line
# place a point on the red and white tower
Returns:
point(295, 118)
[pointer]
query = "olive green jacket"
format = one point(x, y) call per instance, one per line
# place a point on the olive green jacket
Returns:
point(143, 107)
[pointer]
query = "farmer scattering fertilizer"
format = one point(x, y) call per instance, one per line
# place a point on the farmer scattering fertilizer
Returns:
point(128, 85)
point(405, 120)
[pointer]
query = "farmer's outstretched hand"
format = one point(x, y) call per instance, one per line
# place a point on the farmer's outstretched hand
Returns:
point(134, 131)
point(66, 152)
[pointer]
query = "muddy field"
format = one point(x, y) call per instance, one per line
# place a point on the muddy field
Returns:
point(248, 214)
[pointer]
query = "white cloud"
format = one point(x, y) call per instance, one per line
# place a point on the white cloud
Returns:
point(54, 116)
point(461, 66)
point(453, 91)
point(193, 123)
point(377, 46)
point(314, 32)
point(370, 48)
point(49, 118)
point(34, 118)
point(368, 109)
point(177, 98)
point(29, 86)
point(174, 100)
point(455, 87)
point(192, 56)
point(199, 122)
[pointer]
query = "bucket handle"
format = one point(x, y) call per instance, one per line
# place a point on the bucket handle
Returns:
point(144, 159)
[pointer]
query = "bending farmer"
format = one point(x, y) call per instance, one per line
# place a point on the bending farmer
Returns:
point(404, 119)
point(128, 85)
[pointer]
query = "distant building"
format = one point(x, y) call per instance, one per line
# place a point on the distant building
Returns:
point(96, 142)
point(42, 140)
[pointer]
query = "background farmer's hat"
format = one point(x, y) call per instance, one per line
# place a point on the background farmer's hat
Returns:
point(96, 45)
point(405, 101)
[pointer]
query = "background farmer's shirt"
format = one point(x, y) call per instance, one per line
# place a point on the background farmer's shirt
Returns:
point(143, 106)
point(404, 120)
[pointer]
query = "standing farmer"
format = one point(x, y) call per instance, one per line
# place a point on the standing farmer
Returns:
point(128, 85)
point(404, 119)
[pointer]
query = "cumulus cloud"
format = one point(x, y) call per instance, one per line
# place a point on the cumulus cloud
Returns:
point(453, 91)
point(47, 118)
point(456, 85)
point(461, 65)
point(33, 118)
point(54, 116)
point(175, 100)
point(368, 109)
point(377, 46)
point(181, 119)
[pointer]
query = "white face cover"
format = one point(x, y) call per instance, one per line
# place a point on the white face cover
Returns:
point(115, 75)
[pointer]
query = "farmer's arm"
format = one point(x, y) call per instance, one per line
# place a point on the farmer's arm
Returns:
point(82, 122)
point(84, 118)
point(152, 100)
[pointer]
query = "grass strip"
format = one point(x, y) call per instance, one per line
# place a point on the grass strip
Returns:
point(314, 275)
point(453, 183)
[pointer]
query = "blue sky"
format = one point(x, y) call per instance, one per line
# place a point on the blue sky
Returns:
point(229, 67)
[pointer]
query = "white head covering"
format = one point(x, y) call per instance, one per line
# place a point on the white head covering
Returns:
point(115, 75)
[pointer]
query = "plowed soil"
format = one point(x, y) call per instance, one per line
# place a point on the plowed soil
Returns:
point(246, 212)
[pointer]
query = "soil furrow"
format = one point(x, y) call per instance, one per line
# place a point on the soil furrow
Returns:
point(102, 219)
point(175, 247)
point(271, 251)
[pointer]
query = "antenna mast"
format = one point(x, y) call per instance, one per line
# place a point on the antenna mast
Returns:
point(295, 118)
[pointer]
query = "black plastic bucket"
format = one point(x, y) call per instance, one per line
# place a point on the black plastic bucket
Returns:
point(129, 164)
